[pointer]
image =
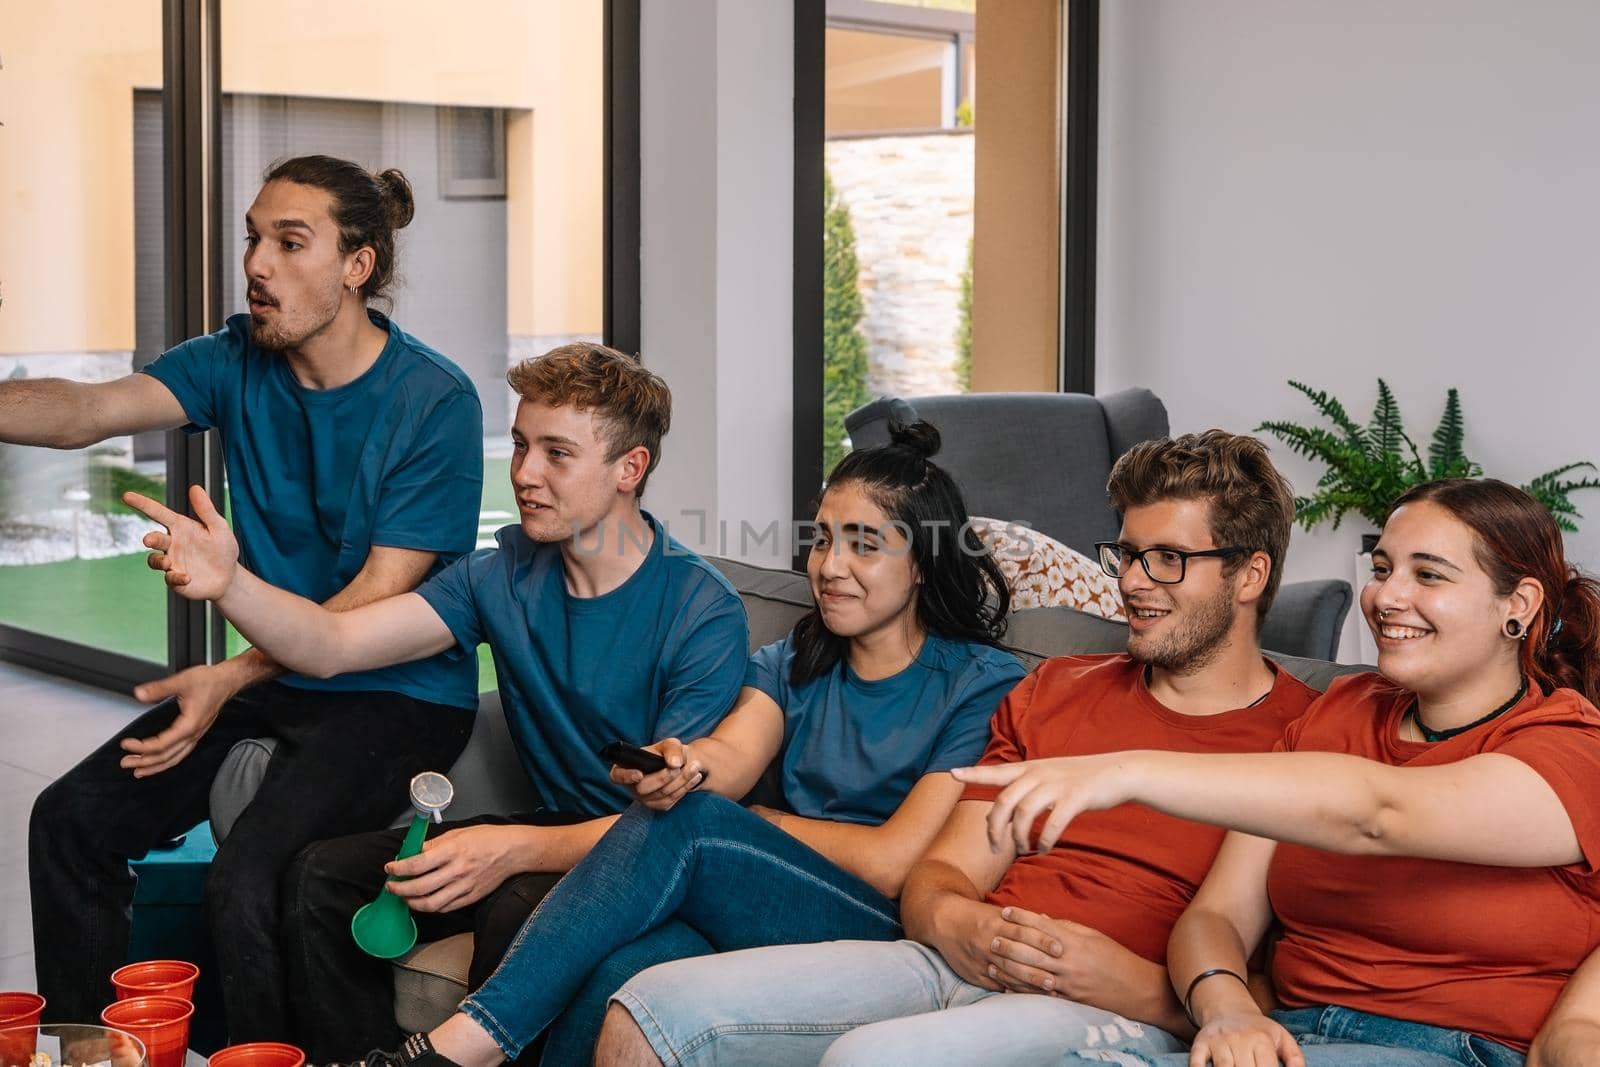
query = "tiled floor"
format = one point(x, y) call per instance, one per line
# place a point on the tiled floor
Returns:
point(46, 726)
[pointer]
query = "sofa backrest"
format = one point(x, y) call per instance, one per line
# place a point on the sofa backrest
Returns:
point(776, 599)
point(1035, 458)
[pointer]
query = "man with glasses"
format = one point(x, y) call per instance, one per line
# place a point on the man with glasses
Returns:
point(1077, 935)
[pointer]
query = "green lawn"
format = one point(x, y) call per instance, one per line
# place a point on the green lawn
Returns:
point(119, 604)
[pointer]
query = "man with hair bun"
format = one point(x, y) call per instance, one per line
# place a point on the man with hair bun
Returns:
point(354, 461)
point(603, 629)
point(1074, 937)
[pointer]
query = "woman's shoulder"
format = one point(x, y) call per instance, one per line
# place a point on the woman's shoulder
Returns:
point(1364, 688)
point(779, 653)
point(959, 655)
point(1566, 706)
point(1352, 698)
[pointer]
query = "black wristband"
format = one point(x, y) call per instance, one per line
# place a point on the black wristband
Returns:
point(1212, 972)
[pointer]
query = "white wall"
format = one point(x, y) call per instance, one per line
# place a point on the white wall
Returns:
point(717, 172)
point(1340, 191)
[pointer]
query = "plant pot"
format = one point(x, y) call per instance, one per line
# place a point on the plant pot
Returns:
point(1363, 572)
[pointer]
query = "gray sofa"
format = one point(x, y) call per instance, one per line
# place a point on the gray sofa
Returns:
point(1043, 459)
point(431, 980)
point(1048, 468)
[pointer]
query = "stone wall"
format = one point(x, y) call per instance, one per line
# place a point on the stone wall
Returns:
point(910, 200)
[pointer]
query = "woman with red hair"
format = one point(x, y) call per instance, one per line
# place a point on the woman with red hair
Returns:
point(1429, 836)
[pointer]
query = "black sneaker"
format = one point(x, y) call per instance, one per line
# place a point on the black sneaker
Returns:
point(415, 1051)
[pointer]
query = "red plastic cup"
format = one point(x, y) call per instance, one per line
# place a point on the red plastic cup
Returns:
point(156, 978)
point(19, 1018)
point(162, 1023)
point(258, 1054)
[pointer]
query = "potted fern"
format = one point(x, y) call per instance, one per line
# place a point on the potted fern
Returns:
point(1367, 467)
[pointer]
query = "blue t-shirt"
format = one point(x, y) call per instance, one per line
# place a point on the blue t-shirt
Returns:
point(852, 749)
point(659, 656)
point(317, 477)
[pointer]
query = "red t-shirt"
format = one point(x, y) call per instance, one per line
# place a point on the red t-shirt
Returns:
point(1468, 947)
point(1128, 872)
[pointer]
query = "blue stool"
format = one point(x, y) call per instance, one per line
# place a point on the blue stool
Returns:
point(169, 923)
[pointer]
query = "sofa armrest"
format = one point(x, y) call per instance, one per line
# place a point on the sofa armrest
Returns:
point(237, 781)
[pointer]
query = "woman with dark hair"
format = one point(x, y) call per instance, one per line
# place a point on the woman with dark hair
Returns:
point(888, 683)
point(1439, 822)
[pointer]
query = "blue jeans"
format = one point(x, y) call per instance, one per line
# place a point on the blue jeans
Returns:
point(1342, 1037)
point(860, 1004)
point(706, 876)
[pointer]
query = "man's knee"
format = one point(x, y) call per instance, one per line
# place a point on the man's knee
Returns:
point(622, 1043)
point(860, 1047)
point(55, 818)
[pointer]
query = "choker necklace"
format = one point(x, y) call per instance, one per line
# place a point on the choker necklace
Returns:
point(1444, 735)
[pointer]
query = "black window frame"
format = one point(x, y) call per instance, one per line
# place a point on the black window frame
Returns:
point(1080, 57)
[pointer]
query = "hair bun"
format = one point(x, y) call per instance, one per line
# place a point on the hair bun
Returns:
point(921, 437)
point(397, 197)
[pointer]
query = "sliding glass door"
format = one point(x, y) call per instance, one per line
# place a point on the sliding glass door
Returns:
point(136, 132)
point(76, 201)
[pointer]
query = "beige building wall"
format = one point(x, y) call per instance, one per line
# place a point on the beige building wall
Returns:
point(66, 151)
point(66, 170)
point(1016, 274)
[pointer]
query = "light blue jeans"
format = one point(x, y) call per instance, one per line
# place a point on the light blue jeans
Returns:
point(1341, 1037)
point(874, 1004)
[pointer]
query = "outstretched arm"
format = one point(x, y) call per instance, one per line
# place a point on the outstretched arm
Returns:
point(1491, 809)
point(1570, 1037)
point(200, 561)
point(57, 413)
point(201, 691)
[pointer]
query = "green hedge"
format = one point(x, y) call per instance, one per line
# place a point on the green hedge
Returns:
point(844, 349)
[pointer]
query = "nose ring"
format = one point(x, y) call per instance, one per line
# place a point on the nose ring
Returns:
point(1383, 613)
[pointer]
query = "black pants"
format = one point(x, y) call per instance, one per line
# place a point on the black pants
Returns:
point(342, 764)
point(342, 999)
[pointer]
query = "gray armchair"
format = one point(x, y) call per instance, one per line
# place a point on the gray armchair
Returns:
point(1043, 459)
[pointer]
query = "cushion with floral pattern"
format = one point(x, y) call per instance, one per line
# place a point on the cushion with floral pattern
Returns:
point(1043, 573)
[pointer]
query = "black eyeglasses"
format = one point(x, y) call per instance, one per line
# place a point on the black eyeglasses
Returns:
point(1164, 565)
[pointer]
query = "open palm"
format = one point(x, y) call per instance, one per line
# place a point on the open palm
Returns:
point(198, 558)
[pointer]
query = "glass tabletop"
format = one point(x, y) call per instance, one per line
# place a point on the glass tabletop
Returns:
point(69, 1045)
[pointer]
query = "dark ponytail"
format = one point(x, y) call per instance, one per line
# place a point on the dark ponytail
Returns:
point(368, 209)
point(1518, 538)
point(962, 595)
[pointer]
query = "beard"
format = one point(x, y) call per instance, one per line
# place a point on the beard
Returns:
point(1195, 643)
point(285, 331)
